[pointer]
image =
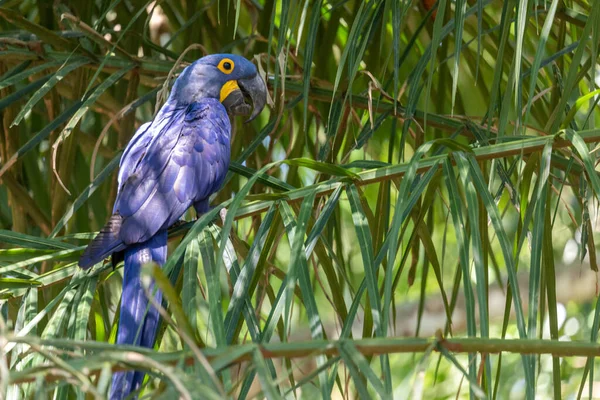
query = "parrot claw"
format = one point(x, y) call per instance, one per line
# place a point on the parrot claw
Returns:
point(178, 223)
point(223, 215)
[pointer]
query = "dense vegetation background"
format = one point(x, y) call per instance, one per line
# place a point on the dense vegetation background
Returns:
point(415, 217)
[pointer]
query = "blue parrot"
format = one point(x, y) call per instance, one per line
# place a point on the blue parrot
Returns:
point(172, 163)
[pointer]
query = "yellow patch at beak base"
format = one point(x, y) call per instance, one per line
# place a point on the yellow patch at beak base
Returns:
point(228, 87)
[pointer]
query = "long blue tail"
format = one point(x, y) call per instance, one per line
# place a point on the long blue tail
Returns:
point(138, 323)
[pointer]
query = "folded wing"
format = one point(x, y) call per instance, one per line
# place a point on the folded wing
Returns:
point(185, 162)
point(181, 158)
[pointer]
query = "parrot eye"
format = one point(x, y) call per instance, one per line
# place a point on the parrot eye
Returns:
point(226, 66)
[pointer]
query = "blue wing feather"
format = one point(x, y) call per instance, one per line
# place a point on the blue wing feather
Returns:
point(134, 151)
point(172, 163)
point(184, 163)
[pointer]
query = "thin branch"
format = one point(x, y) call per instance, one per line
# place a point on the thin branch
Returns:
point(368, 177)
point(228, 356)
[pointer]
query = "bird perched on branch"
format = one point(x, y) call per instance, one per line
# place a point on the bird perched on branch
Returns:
point(172, 163)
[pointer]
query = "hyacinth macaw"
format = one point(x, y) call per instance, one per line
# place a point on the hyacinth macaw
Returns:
point(172, 163)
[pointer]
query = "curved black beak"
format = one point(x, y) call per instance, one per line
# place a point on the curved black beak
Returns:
point(255, 89)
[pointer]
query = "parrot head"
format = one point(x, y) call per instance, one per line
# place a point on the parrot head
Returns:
point(231, 79)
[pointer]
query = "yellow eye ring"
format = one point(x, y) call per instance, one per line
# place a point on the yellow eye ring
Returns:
point(226, 66)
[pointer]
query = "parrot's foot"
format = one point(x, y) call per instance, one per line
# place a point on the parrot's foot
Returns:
point(222, 215)
point(178, 223)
